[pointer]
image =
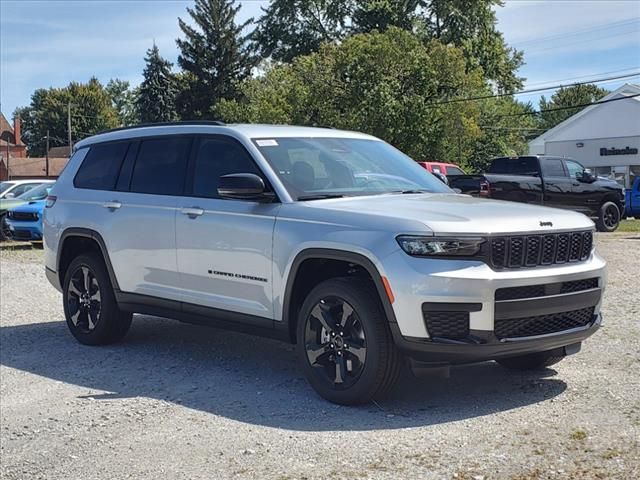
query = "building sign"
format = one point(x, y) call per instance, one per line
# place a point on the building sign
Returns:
point(604, 152)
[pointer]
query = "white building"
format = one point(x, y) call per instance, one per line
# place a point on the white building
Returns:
point(604, 137)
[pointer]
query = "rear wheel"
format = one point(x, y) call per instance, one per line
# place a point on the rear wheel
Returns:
point(93, 317)
point(532, 361)
point(608, 217)
point(344, 343)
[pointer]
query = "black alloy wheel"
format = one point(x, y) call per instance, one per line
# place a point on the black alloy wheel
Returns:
point(611, 216)
point(5, 231)
point(335, 342)
point(84, 302)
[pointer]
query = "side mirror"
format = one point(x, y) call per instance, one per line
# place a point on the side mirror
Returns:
point(585, 176)
point(456, 190)
point(10, 195)
point(441, 177)
point(243, 186)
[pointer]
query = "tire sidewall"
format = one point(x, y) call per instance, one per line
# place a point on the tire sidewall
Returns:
point(603, 209)
point(102, 331)
point(366, 385)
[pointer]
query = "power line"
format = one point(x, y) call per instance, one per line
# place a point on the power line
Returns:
point(532, 90)
point(589, 40)
point(538, 84)
point(572, 107)
point(557, 36)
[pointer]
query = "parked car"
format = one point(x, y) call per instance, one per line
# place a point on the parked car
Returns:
point(277, 231)
point(550, 181)
point(25, 188)
point(25, 221)
point(632, 203)
point(442, 168)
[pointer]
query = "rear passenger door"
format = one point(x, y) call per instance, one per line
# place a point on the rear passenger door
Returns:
point(135, 215)
point(557, 184)
point(224, 246)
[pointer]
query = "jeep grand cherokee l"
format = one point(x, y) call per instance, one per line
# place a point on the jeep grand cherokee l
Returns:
point(332, 240)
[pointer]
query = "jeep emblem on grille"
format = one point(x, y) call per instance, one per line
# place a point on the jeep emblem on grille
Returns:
point(546, 224)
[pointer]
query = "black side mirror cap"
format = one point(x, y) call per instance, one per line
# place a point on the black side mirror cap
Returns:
point(243, 186)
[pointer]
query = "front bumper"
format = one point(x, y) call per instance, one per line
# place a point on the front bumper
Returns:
point(483, 347)
point(28, 231)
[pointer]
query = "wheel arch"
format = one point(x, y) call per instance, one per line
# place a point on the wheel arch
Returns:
point(292, 300)
point(75, 241)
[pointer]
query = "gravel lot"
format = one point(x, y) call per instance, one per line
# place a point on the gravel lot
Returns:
point(184, 402)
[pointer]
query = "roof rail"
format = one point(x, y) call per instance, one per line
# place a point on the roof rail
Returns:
point(165, 124)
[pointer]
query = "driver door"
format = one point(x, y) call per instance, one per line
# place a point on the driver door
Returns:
point(584, 196)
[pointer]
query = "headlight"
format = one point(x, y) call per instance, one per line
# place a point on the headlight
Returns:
point(440, 247)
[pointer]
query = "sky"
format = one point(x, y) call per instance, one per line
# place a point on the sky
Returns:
point(50, 43)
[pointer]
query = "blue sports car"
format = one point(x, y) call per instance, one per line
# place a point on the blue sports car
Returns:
point(25, 221)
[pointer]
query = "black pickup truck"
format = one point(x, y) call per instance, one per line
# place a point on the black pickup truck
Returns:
point(551, 181)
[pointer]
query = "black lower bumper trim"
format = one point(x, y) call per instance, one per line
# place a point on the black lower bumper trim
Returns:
point(488, 348)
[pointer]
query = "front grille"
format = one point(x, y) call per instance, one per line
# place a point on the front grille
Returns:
point(21, 235)
point(533, 250)
point(533, 291)
point(23, 216)
point(543, 324)
point(451, 325)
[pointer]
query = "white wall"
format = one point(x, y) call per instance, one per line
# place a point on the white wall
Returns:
point(589, 154)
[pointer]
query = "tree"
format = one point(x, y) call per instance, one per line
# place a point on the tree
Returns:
point(123, 99)
point(156, 100)
point(567, 97)
point(215, 56)
point(379, 15)
point(385, 84)
point(91, 112)
point(290, 28)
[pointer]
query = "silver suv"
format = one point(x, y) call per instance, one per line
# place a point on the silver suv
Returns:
point(332, 240)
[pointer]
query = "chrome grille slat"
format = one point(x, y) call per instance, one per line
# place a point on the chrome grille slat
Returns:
point(532, 250)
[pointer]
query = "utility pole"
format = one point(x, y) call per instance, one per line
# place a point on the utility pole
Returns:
point(47, 158)
point(69, 126)
point(8, 171)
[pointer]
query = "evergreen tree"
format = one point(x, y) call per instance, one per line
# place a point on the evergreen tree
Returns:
point(215, 56)
point(157, 93)
point(568, 97)
point(123, 99)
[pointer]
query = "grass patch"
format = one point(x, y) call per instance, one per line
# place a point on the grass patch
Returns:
point(578, 435)
point(629, 226)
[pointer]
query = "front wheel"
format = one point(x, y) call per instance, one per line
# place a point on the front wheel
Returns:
point(5, 231)
point(608, 217)
point(532, 361)
point(344, 343)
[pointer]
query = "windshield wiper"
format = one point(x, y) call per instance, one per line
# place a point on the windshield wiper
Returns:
point(320, 196)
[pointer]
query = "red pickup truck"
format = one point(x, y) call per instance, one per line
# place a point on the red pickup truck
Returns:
point(443, 168)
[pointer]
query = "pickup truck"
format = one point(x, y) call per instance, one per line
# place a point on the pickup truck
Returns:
point(550, 181)
point(632, 204)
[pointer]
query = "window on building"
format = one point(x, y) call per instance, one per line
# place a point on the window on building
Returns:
point(161, 165)
point(217, 157)
point(100, 168)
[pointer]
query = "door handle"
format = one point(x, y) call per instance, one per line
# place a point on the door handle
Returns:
point(192, 212)
point(112, 205)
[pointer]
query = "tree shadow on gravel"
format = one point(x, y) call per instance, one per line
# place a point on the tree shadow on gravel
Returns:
point(255, 380)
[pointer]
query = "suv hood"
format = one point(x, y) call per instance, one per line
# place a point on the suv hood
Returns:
point(451, 213)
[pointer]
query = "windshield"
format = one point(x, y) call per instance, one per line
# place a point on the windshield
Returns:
point(4, 186)
point(38, 193)
point(311, 168)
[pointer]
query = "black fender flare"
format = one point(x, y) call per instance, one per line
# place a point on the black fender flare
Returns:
point(96, 237)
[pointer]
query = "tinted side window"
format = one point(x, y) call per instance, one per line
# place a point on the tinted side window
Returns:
point(515, 166)
point(552, 167)
point(573, 168)
point(100, 168)
point(217, 157)
point(160, 166)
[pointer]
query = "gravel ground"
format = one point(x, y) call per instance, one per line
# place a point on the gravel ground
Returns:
point(184, 402)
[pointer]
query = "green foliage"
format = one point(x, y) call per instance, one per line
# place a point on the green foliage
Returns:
point(379, 15)
point(290, 28)
point(567, 97)
point(215, 56)
point(384, 84)
point(91, 112)
point(156, 100)
point(123, 99)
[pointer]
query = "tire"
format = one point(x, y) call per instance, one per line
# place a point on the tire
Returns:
point(5, 233)
point(532, 361)
point(92, 314)
point(354, 360)
point(608, 217)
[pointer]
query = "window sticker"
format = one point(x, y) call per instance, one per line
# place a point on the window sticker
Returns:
point(267, 143)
